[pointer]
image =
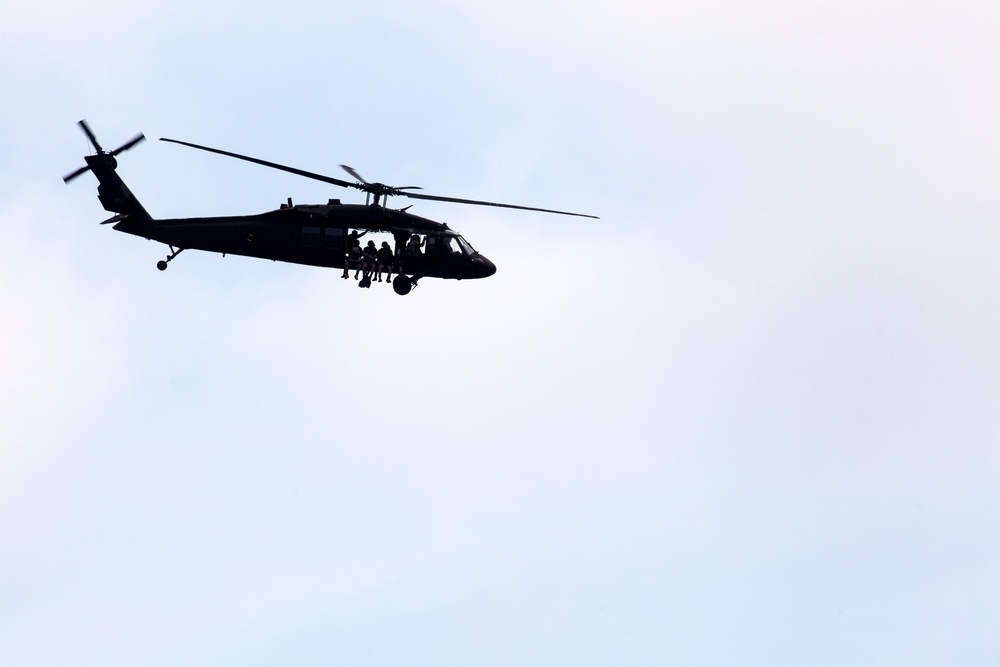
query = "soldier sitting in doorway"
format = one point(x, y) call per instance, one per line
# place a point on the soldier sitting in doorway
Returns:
point(354, 259)
point(368, 258)
point(384, 260)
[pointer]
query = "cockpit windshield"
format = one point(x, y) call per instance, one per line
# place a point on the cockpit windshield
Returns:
point(455, 245)
point(466, 249)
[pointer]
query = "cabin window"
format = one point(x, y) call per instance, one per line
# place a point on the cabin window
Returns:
point(333, 237)
point(310, 237)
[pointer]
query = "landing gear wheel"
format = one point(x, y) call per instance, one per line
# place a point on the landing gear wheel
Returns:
point(402, 285)
point(162, 264)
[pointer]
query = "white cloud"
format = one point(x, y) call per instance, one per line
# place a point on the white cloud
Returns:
point(756, 398)
point(59, 357)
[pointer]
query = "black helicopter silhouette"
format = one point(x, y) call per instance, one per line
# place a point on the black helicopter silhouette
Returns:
point(314, 234)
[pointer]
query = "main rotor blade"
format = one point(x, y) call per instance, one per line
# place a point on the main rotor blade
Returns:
point(376, 187)
point(139, 138)
point(365, 185)
point(350, 170)
point(90, 135)
point(273, 165)
point(413, 195)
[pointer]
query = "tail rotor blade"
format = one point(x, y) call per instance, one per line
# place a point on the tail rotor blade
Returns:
point(102, 158)
point(139, 138)
point(69, 177)
point(90, 135)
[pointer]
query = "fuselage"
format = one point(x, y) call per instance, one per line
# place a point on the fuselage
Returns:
point(317, 235)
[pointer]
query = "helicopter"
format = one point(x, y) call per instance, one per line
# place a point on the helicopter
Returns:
point(312, 234)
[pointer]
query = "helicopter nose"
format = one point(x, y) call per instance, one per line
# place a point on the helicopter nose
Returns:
point(483, 267)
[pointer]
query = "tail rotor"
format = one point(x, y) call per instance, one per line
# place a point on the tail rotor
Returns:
point(102, 155)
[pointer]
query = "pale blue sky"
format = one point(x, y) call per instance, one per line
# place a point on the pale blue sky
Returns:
point(748, 417)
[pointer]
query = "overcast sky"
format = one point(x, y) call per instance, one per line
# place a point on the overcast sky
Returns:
point(751, 416)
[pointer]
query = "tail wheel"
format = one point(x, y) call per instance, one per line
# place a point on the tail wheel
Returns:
point(162, 264)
